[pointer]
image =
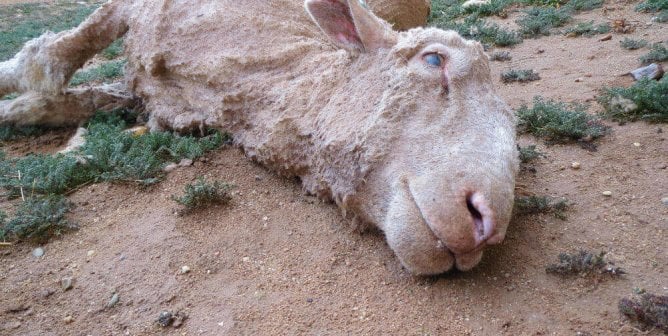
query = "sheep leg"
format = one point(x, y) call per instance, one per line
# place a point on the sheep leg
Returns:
point(45, 65)
point(67, 109)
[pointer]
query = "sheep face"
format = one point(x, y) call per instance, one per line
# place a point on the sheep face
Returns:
point(450, 172)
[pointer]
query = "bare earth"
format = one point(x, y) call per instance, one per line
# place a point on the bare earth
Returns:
point(278, 262)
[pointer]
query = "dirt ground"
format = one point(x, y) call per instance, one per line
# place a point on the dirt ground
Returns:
point(278, 262)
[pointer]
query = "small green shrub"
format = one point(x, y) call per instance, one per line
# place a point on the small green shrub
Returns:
point(119, 156)
point(528, 205)
point(519, 76)
point(652, 6)
point(444, 11)
point(648, 309)
point(501, 56)
point(644, 100)
point(658, 53)
point(483, 31)
point(113, 50)
point(38, 219)
point(528, 154)
point(540, 20)
point(661, 17)
point(587, 29)
point(582, 263)
point(10, 96)
point(494, 7)
point(583, 5)
point(631, 44)
point(9, 133)
point(104, 72)
point(544, 3)
point(559, 122)
point(42, 174)
point(203, 193)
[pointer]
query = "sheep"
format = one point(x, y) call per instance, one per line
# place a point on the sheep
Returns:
point(404, 131)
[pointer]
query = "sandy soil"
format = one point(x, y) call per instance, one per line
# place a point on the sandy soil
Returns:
point(278, 262)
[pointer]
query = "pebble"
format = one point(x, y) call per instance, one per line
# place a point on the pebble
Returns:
point(636, 144)
point(170, 167)
point(664, 201)
point(578, 80)
point(606, 38)
point(575, 165)
point(66, 283)
point(661, 166)
point(185, 269)
point(186, 163)
point(13, 325)
point(90, 253)
point(607, 193)
point(165, 319)
point(68, 319)
point(38, 252)
point(114, 300)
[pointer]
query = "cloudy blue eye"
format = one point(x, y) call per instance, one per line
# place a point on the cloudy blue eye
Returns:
point(433, 59)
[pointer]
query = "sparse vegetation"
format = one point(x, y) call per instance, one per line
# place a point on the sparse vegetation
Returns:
point(486, 32)
point(583, 5)
point(203, 193)
point(8, 133)
point(37, 219)
point(644, 100)
point(110, 154)
point(519, 76)
point(559, 122)
point(648, 309)
point(103, 72)
point(529, 153)
point(652, 6)
point(501, 56)
point(494, 7)
point(583, 263)
point(631, 44)
point(23, 22)
point(113, 50)
point(529, 205)
point(658, 53)
point(587, 29)
point(540, 20)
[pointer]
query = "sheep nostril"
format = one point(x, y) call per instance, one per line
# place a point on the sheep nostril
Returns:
point(478, 222)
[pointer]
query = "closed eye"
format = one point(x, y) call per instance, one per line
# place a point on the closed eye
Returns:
point(433, 59)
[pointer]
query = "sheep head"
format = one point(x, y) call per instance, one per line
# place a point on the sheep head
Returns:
point(439, 142)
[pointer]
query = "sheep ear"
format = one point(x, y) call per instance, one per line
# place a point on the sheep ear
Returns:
point(351, 25)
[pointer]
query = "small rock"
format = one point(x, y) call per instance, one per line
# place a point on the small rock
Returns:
point(265, 218)
point(66, 283)
point(258, 178)
point(186, 163)
point(607, 193)
point(578, 80)
point(636, 144)
point(575, 165)
point(606, 38)
point(45, 293)
point(652, 71)
point(165, 319)
point(90, 253)
point(661, 166)
point(38, 252)
point(68, 319)
point(540, 51)
point(114, 300)
point(185, 269)
point(664, 201)
point(170, 167)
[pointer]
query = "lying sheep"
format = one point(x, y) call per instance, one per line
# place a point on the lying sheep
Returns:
point(403, 130)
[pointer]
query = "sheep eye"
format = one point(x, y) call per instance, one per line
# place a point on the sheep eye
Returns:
point(433, 59)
